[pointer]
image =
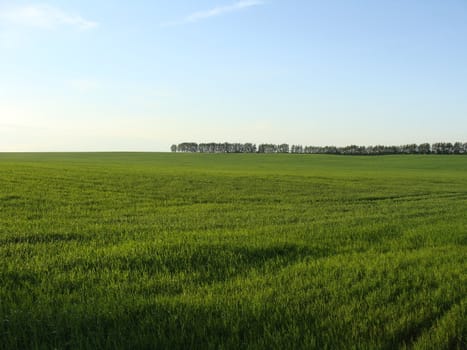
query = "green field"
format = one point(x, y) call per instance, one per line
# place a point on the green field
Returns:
point(228, 251)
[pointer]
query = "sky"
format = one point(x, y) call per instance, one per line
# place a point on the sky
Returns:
point(108, 75)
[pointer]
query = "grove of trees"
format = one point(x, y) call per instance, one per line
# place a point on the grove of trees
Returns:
point(424, 148)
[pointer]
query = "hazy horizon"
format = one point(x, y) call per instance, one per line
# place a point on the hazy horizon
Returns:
point(118, 76)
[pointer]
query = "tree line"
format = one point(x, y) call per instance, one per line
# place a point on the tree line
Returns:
point(226, 147)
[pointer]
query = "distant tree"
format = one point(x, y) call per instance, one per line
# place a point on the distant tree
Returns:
point(424, 148)
point(267, 148)
point(408, 149)
point(187, 147)
point(249, 148)
point(226, 147)
point(457, 148)
point(442, 148)
point(297, 149)
point(449, 148)
point(283, 148)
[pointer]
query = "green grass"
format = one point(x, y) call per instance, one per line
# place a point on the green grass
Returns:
point(209, 251)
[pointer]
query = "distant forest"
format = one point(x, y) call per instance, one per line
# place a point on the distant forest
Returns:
point(424, 148)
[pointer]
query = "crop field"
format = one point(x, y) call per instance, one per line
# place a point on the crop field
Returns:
point(232, 251)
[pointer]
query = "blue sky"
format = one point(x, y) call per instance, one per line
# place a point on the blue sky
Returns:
point(141, 75)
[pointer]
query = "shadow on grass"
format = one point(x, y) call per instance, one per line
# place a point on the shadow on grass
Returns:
point(45, 238)
point(216, 262)
point(175, 324)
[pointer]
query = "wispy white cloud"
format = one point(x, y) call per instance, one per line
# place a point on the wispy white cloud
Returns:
point(215, 12)
point(43, 16)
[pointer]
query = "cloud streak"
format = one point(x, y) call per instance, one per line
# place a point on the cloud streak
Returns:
point(43, 16)
point(215, 12)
